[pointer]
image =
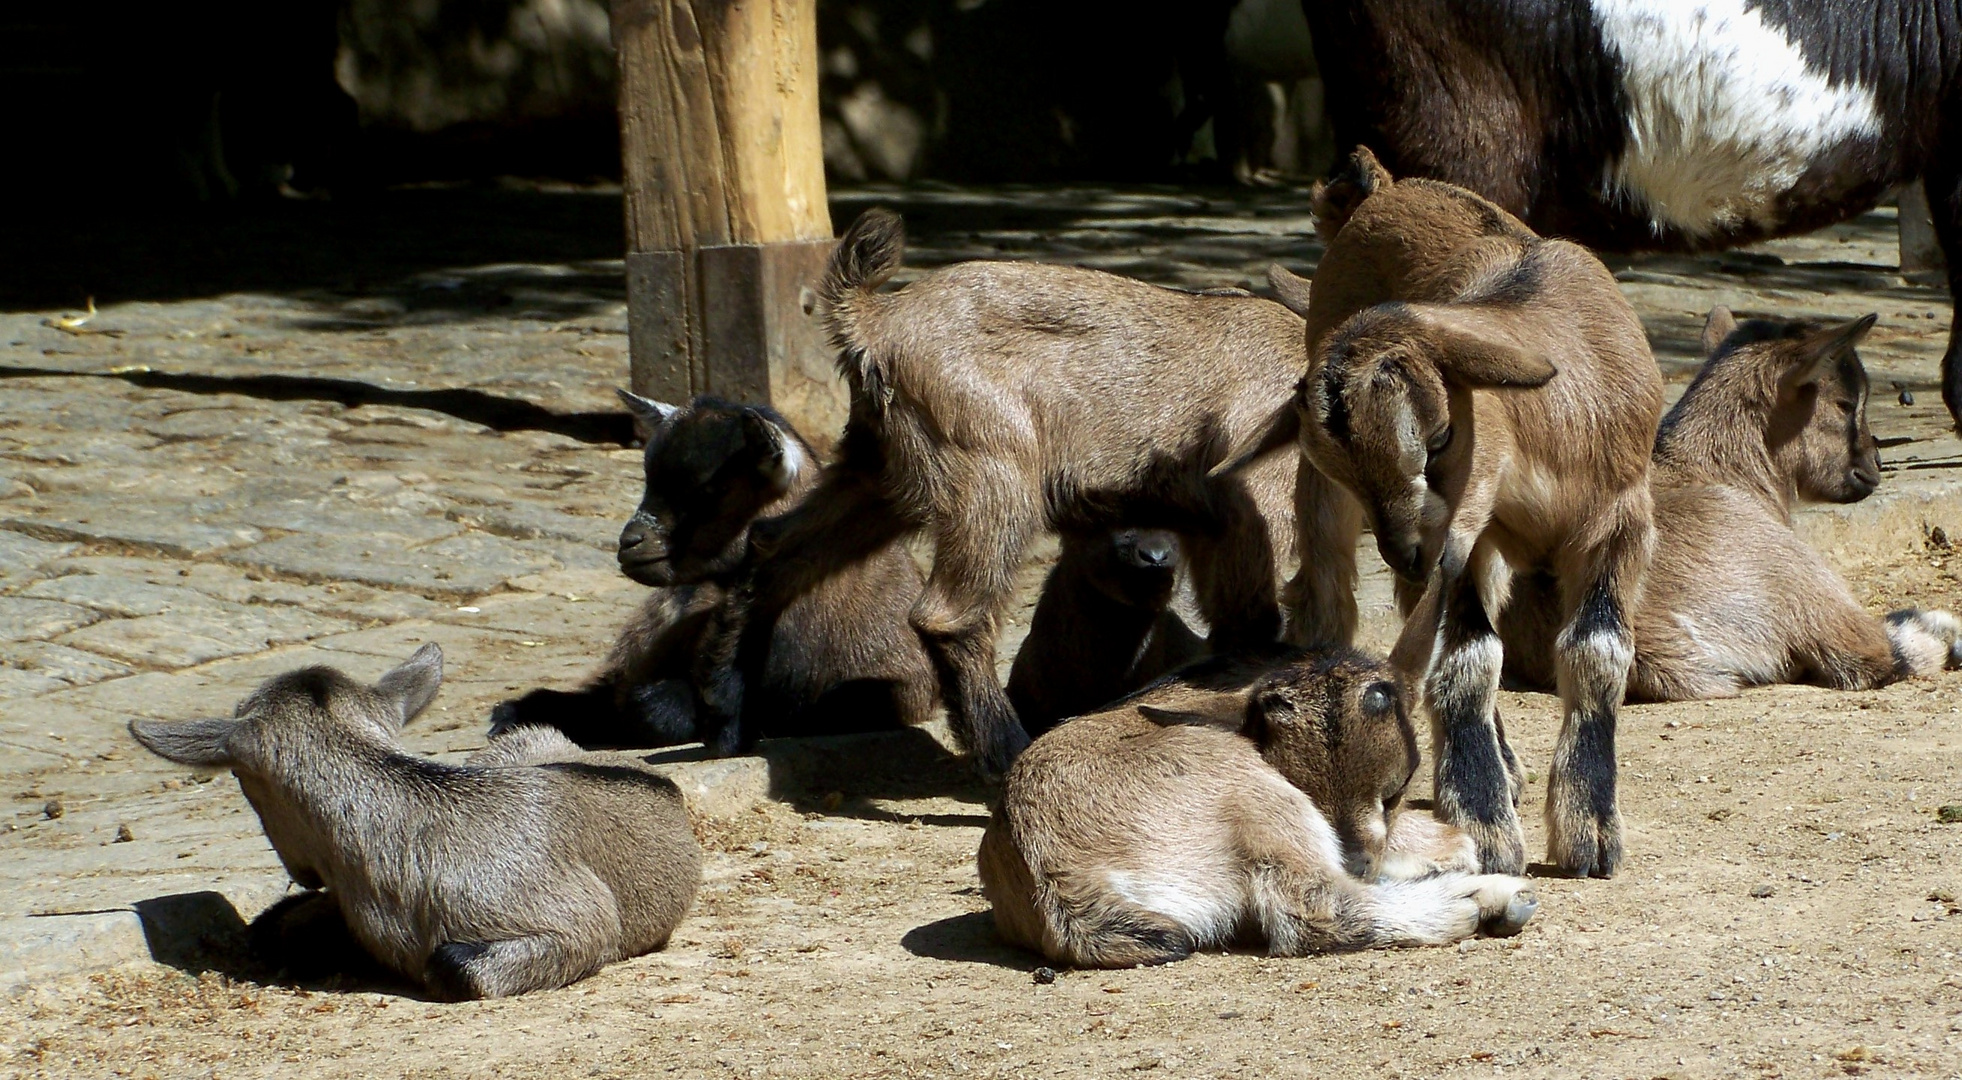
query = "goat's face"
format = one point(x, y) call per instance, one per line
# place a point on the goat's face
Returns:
point(1138, 568)
point(302, 729)
point(1334, 725)
point(1386, 412)
point(1834, 457)
point(711, 468)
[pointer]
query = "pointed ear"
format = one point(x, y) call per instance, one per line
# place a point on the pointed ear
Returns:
point(1474, 348)
point(1719, 326)
point(1334, 201)
point(1290, 288)
point(1281, 430)
point(778, 457)
point(1819, 352)
point(1265, 709)
point(413, 685)
point(187, 742)
point(650, 416)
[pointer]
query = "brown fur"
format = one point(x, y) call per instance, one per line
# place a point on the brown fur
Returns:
point(525, 868)
point(838, 657)
point(994, 400)
point(1102, 627)
point(1489, 400)
point(1734, 597)
point(1131, 837)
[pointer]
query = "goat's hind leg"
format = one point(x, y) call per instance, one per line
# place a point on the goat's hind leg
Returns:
point(466, 970)
point(1593, 656)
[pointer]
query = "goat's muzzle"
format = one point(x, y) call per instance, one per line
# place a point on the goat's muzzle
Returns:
point(643, 556)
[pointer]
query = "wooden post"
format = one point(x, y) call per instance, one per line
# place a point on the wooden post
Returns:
point(726, 214)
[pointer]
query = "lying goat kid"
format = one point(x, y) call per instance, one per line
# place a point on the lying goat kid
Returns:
point(523, 870)
point(839, 657)
point(1134, 837)
point(1103, 626)
point(1734, 597)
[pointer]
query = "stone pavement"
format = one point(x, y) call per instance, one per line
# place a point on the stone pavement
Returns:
point(361, 428)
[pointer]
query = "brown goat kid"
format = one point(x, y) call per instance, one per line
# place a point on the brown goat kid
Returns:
point(1102, 627)
point(993, 400)
point(1734, 597)
point(1489, 398)
point(1134, 837)
point(839, 657)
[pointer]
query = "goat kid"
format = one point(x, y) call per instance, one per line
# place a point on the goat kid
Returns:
point(838, 658)
point(1489, 399)
point(522, 870)
point(1102, 627)
point(1734, 597)
point(992, 400)
point(1133, 836)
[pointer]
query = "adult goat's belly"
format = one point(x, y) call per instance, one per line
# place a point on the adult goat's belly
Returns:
point(1725, 114)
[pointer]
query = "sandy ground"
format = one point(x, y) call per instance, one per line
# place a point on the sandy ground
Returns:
point(1788, 908)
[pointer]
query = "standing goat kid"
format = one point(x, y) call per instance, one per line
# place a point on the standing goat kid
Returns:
point(1734, 597)
point(1490, 399)
point(993, 400)
point(1136, 835)
point(522, 870)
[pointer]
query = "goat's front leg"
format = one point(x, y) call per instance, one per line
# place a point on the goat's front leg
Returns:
point(1321, 598)
point(1473, 784)
point(1592, 658)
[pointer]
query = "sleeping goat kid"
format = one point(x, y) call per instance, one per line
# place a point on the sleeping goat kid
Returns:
point(1734, 597)
point(839, 657)
point(522, 870)
point(1134, 837)
point(1102, 627)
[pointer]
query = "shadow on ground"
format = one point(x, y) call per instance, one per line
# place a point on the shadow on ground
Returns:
point(970, 939)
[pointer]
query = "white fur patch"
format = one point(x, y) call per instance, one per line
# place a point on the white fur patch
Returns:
point(1210, 917)
point(793, 461)
point(1724, 112)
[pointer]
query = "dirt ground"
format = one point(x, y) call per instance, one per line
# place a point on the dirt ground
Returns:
point(1791, 906)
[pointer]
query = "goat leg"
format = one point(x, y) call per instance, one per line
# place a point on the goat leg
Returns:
point(1943, 180)
point(1593, 656)
point(1473, 783)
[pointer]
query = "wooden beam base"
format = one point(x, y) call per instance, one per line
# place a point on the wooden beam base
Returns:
point(728, 320)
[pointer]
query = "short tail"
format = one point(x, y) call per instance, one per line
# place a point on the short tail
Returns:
point(868, 255)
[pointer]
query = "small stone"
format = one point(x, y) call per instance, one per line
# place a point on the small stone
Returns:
point(123, 835)
point(53, 809)
point(1907, 397)
point(1762, 891)
point(1950, 814)
point(1044, 976)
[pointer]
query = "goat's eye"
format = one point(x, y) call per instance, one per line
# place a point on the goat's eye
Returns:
point(1437, 443)
point(1379, 699)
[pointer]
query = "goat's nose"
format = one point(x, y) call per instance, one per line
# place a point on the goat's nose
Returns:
point(1157, 551)
point(632, 535)
point(640, 537)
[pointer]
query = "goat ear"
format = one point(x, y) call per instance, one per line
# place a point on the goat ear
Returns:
point(1473, 351)
point(187, 742)
point(1281, 430)
point(1717, 327)
point(1267, 708)
point(776, 456)
point(1290, 288)
point(650, 416)
point(413, 685)
point(1173, 717)
point(1334, 201)
point(1819, 352)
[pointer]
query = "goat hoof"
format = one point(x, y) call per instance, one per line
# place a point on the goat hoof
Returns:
point(1519, 910)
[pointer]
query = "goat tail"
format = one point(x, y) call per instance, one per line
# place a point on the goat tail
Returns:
point(866, 257)
point(1091, 932)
